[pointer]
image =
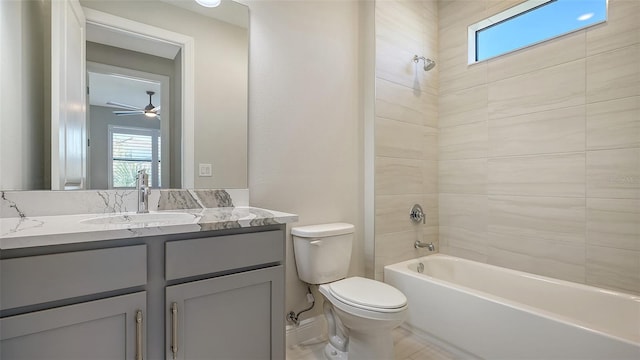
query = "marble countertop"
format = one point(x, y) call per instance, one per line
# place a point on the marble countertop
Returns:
point(24, 232)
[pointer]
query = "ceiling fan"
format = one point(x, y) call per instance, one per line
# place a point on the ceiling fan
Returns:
point(149, 110)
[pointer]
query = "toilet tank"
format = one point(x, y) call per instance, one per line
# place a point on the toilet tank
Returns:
point(322, 252)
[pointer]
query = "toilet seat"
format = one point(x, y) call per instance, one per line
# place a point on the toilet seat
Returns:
point(368, 294)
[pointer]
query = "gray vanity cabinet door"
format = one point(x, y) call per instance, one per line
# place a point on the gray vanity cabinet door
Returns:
point(239, 316)
point(102, 329)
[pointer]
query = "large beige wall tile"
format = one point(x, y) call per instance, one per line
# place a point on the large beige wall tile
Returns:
point(395, 63)
point(458, 75)
point(463, 252)
point(539, 175)
point(458, 241)
point(611, 268)
point(392, 212)
point(549, 53)
point(614, 223)
point(399, 139)
point(550, 218)
point(396, 176)
point(452, 46)
point(494, 7)
point(463, 142)
point(613, 124)
point(401, 21)
point(614, 173)
point(430, 177)
point(463, 107)
point(463, 211)
point(621, 29)
point(454, 72)
point(460, 13)
point(463, 225)
point(462, 176)
point(553, 131)
point(404, 104)
point(614, 74)
point(550, 88)
point(557, 259)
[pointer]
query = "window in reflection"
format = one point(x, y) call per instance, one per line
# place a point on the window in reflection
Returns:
point(133, 149)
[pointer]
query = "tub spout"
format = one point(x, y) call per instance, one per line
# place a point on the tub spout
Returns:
point(419, 244)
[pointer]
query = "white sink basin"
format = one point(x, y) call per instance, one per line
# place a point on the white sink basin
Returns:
point(148, 218)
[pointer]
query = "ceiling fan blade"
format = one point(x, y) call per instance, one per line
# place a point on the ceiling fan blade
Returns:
point(134, 112)
point(156, 109)
point(124, 106)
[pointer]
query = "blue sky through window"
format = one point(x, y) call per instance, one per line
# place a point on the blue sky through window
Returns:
point(538, 24)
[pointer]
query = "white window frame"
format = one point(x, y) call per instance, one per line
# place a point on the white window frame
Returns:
point(155, 135)
point(509, 13)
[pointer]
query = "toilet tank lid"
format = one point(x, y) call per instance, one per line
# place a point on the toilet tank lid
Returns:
point(322, 230)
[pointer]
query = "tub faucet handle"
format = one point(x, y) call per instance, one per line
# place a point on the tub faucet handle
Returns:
point(416, 214)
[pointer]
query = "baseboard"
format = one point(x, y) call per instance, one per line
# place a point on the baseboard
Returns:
point(309, 330)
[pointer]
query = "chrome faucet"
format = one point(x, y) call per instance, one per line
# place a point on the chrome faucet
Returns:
point(419, 244)
point(416, 214)
point(142, 186)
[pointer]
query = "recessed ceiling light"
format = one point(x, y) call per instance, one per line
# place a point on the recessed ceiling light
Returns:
point(209, 3)
point(582, 17)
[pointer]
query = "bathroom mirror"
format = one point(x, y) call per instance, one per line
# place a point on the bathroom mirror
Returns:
point(197, 139)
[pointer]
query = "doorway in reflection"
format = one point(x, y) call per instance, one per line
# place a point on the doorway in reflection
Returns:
point(129, 120)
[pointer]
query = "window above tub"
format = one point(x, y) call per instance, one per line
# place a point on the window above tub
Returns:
point(529, 23)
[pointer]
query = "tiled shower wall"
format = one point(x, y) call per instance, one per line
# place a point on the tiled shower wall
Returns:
point(406, 121)
point(539, 150)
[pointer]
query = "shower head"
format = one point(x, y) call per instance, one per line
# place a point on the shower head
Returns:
point(428, 63)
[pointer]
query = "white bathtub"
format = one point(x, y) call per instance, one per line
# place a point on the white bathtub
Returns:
point(491, 312)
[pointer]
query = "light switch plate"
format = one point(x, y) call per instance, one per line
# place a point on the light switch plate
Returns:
point(205, 170)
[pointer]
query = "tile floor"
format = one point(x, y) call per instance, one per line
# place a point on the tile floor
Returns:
point(407, 347)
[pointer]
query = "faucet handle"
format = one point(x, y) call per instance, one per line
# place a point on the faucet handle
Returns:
point(416, 214)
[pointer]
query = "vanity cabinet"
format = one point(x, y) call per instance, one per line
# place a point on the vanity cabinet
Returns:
point(205, 295)
point(229, 317)
point(237, 313)
point(111, 328)
point(58, 315)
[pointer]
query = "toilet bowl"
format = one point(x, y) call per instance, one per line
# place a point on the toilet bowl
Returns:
point(360, 312)
point(369, 310)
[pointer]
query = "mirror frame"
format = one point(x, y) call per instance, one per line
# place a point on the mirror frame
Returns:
point(186, 43)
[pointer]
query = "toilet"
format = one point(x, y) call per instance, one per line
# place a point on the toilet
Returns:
point(360, 312)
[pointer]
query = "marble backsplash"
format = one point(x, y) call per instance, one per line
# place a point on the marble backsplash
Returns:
point(48, 203)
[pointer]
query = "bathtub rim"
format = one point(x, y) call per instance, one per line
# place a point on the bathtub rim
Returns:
point(402, 267)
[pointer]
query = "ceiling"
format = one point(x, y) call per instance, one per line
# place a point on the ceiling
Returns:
point(111, 87)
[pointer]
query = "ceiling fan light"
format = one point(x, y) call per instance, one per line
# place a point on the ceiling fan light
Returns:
point(149, 114)
point(209, 3)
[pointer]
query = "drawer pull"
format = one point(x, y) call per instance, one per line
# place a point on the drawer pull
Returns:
point(139, 335)
point(174, 329)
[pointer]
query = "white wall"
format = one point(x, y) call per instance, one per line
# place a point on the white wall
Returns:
point(305, 127)
point(22, 94)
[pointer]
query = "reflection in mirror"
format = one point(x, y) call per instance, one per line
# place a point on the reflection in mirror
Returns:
point(126, 127)
point(202, 99)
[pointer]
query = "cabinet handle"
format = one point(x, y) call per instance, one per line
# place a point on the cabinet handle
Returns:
point(139, 335)
point(174, 329)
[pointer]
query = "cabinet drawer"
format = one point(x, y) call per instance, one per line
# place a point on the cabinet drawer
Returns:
point(214, 254)
point(38, 279)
